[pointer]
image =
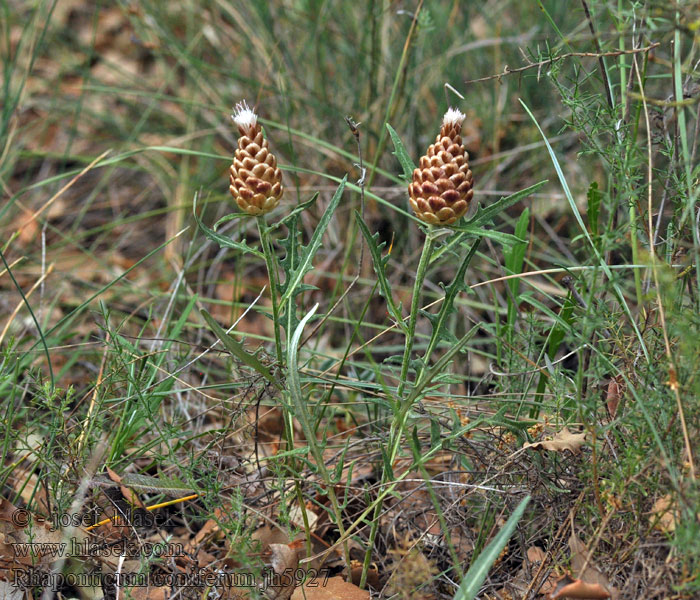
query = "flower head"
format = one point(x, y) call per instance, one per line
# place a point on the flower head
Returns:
point(244, 117)
point(453, 117)
point(441, 187)
point(256, 181)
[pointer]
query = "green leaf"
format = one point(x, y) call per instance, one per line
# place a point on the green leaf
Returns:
point(427, 376)
point(435, 440)
point(439, 322)
point(479, 569)
point(155, 485)
point(223, 241)
point(438, 325)
point(295, 213)
point(236, 348)
point(484, 216)
point(401, 154)
point(563, 323)
point(594, 197)
point(415, 444)
point(300, 452)
point(230, 217)
point(379, 264)
point(505, 239)
point(301, 407)
point(338, 471)
point(514, 258)
point(294, 278)
point(388, 469)
point(291, 245)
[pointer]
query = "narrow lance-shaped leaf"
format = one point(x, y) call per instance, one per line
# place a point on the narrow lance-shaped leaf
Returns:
point(435, 440)
point(301, 407)
point(230, 217)
point(379, 263)
point(294, 381)
point(428, 375)
point(514, 259)
point(471, 230)
point(148, 484)
point(222, 240)
point(294, 278)
point(236, 348)
point(483, 217)
point(290, 219)
point(594, 197)
point(472, 580)
point(415, 444)
point(439, 321)
point(400, 153)
point(291, 245)
point(484, 214)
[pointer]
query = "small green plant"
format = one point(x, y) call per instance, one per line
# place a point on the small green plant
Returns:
point(440, 194)
point(256, 187)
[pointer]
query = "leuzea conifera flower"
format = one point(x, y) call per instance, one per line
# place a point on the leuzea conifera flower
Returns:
point(256, 181)
point(441, 187)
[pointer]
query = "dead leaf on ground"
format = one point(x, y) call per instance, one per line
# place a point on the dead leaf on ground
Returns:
point(147, 593)
point(285, 561)
point(536, 556)
point(614, 394)
point(296, 516)
point(590, 576)
point(356, 568)
point(335, 589)
point(268, 535)
point(10, 592)
point(564, 440)
point(128, 494)
point(663, 514)
point(517, 586)
point(566, 587)
point(210, 531)
point(411, 570)
point(19, 526)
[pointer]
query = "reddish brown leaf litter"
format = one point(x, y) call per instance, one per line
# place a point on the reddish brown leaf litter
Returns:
point(566, 587)
point(334, 589)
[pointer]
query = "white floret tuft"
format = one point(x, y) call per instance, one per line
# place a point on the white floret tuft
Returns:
point(244, 116)
point(453, 117)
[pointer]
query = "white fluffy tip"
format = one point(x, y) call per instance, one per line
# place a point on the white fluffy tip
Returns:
point(244, 116)
point(453, 117)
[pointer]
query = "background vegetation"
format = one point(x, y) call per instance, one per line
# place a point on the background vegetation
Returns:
point(115, 115)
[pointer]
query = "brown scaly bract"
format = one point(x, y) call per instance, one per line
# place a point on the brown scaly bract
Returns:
point(256, 181)
point(441, 188)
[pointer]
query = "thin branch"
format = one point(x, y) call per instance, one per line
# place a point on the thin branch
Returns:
point(601, 58)
point(539, 65)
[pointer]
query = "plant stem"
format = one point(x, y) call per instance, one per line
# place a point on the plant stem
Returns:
point(402, 407)
point(304, 417)
point(428, 246)
point(274, 283)
point(288, 416)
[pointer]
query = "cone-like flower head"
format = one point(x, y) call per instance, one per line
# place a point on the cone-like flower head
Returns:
point(441, 187)
point(256, 181)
